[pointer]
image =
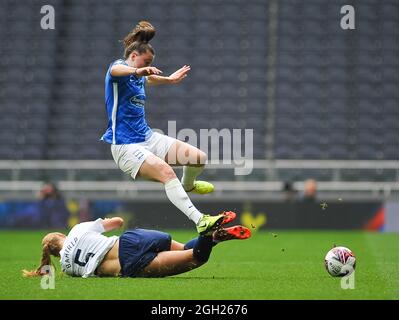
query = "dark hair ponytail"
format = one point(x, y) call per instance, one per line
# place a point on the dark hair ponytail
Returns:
point(138, 39)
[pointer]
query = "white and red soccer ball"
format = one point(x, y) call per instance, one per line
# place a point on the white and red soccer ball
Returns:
point(340, 262)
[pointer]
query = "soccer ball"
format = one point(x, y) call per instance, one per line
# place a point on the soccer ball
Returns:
point(340, 261)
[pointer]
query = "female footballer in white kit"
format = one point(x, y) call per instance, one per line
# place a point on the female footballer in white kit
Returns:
point(136, 149)
point(86, 252)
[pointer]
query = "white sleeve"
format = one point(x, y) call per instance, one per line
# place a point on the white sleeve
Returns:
point(97, 226)
point(83, 227)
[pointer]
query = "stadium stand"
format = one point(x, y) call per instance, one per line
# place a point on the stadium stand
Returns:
point(335, 91)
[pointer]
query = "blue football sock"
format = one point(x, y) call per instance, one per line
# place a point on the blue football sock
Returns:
point(192, 242)
point(202, 248)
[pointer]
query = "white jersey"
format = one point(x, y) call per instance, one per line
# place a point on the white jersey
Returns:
point(84, 248)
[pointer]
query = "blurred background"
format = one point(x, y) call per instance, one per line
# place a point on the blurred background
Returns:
point(323, 104)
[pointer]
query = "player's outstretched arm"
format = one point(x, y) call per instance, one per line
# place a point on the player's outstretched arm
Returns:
point(112, 223)
point(175, 77)
point(120, 70)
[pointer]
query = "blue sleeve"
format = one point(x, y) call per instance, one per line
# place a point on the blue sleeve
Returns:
point(117, 79)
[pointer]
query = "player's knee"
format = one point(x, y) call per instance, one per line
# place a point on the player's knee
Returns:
point(167, 173)
point(202, 157)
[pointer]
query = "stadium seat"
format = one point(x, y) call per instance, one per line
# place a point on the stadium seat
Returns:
point(332, 96)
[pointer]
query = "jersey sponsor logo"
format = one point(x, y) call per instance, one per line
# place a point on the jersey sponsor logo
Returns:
point(138, 100)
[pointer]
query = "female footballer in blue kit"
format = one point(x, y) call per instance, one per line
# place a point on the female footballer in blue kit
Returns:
point(85, 252)
point(136, 149)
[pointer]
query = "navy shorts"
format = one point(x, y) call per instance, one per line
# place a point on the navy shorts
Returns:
point(138, 247)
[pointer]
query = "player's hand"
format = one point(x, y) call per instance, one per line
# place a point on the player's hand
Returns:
point(147, 71)
point(180, 74)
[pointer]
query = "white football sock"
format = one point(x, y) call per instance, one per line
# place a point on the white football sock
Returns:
point(189, 175)
point(177, 195)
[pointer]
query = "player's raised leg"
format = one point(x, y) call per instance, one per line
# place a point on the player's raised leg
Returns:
point(155, 168)
point(193, 160)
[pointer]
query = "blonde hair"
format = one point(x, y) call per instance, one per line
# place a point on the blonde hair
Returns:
point(51, 246)
point(138, 39)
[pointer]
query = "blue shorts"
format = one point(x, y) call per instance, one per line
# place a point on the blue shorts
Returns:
point(138, 247)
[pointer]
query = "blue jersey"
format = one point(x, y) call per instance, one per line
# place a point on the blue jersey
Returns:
point(124, 101)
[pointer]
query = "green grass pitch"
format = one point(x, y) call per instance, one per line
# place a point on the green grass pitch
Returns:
point(270, 265)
